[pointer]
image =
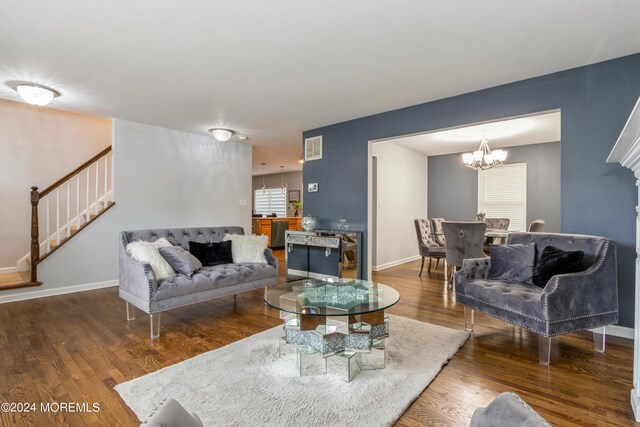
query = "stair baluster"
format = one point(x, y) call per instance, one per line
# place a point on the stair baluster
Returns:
point(81, 220)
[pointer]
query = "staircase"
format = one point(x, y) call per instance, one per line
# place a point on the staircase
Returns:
point(61, 211)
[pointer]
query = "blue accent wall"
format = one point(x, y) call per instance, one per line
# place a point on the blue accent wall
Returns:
point(597, 198)
point(453, 187)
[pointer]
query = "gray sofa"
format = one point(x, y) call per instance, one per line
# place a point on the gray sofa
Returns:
point(139, 287)
point(569, 302)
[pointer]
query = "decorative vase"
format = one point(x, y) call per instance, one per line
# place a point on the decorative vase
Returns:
point(309, 223)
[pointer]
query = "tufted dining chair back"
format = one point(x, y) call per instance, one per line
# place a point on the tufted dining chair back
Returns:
point(464, 241)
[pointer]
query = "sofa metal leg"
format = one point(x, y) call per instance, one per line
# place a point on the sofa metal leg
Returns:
point(131, 312)
point(154, 323)
point(468, 319)
point(599, 336)
point(421, 267)
point(544, 349)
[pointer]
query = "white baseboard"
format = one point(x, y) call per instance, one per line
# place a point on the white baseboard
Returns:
point(394, 263)
point(6, 270)
point(42, 293)
point(635, 404)
point(616, 331)
point(620, 331)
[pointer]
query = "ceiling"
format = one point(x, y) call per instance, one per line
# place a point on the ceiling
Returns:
point(272, 69)
point(535, 129)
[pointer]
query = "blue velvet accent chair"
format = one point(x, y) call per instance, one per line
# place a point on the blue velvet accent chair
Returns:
point(428, 247)
point(569, 302)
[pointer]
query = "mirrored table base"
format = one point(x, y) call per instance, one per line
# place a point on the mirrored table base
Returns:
point(342, 346)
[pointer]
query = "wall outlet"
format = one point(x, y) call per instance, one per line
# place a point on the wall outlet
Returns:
point(242, 202)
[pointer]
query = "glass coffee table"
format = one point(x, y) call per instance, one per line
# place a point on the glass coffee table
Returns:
point(334, 326)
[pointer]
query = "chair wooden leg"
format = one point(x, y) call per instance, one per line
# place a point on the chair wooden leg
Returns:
point(421, 267)
point(429, 269)
point(437, 262)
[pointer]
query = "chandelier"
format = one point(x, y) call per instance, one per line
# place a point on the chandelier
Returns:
point(483, 158)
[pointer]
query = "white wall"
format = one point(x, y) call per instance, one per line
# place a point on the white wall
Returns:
point(37, 147)
point(163, 178)
point(401, 198)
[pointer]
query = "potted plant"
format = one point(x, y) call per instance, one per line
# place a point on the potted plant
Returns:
point(296, 206)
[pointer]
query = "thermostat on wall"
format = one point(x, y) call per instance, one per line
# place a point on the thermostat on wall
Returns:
point(312, 188)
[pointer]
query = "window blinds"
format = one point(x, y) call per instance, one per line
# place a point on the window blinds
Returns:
point(502, 193)
point(271, 200)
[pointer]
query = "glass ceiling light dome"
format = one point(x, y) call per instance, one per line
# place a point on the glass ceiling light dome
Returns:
point(222, 135)
point(36, 94)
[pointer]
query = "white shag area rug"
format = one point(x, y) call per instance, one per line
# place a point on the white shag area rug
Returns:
point(246, 384)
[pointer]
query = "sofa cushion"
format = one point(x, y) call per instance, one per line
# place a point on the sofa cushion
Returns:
point(556, 261)
point(512, 263)
point(210, 254)
point(248, 248)
point(517, 297)
point(180, 260)
point(148, 253)
point(213, 277)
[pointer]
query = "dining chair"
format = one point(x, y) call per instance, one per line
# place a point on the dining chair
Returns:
point(464, 241)
point(427, 245)
point(536, 226)
point(495, 224)
point(437, 231)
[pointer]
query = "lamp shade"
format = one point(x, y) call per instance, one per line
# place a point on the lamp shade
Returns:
point(35, 95)
point(222, 135)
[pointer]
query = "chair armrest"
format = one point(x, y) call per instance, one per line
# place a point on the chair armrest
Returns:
point(587, 293)
point(472, 268)
point(271, 260)
point(136, 277)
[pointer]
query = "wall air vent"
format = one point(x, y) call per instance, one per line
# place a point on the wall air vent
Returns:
point(313, 148)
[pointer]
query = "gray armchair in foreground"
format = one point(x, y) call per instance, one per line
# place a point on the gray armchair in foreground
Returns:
point(569, 302)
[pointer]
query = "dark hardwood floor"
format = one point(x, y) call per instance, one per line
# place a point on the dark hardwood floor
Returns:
point(77, 347)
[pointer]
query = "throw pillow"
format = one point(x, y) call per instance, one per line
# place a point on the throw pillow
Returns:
point(512, 263)
point(556, 261)
point(148, 253)
point(209, 254)
point(247, 248)
point(181, 260)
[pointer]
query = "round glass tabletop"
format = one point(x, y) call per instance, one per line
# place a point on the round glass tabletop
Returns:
point(331, 297)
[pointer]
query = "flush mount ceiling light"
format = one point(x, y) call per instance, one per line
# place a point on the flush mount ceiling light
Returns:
point(483, 158)
point(222, 135)
point(33, 93)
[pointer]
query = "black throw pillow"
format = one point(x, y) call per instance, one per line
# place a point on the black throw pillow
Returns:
point(212, 253)
point(554, 261)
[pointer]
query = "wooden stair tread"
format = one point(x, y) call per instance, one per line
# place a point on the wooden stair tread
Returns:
point(21, 279)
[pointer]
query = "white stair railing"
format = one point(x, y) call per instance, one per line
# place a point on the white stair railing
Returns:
point(93, 192)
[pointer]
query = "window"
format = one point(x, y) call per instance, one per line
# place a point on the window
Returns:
point(271, 200)
point(502, 193)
